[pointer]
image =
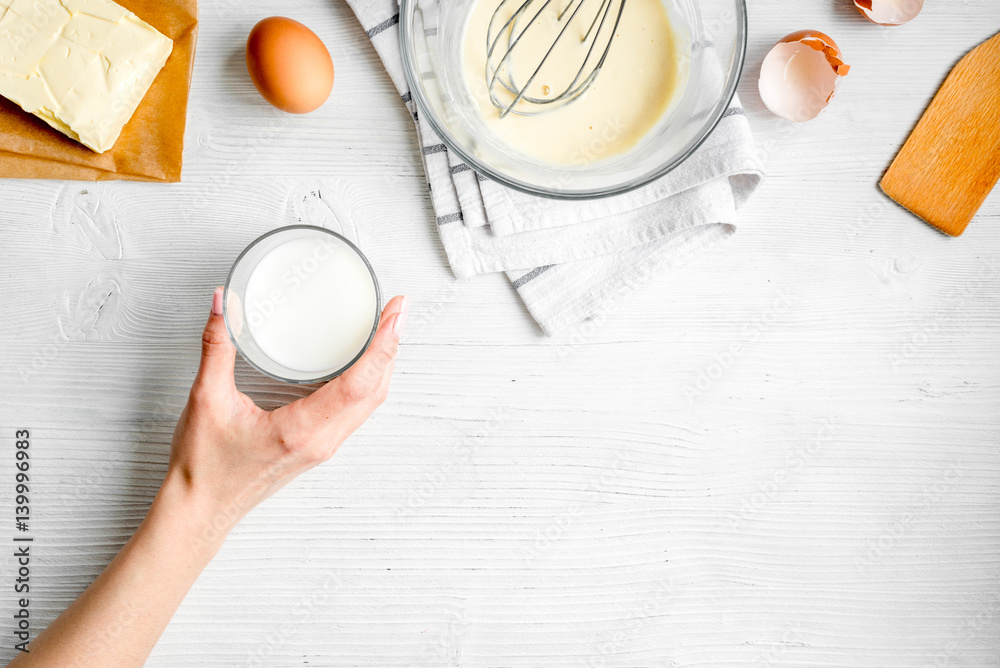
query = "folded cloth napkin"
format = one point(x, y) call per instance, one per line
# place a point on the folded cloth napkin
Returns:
point(571, 260)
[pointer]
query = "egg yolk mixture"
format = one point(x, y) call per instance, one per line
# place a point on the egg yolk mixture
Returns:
point(638, 81)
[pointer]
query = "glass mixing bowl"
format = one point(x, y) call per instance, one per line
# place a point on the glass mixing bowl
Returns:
point(713, 37)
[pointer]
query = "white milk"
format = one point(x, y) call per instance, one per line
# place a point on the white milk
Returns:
point(310, 304)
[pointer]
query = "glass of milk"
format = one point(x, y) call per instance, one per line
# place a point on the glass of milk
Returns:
point(302, 304)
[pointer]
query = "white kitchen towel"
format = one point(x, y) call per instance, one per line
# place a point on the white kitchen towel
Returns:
point(573, 260)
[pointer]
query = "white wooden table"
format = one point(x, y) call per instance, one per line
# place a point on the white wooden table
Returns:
point(627, 494)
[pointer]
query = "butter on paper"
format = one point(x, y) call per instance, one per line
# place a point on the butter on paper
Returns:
point(151, 143)
point(82, 66)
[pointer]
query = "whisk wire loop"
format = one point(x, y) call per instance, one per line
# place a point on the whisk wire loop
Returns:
point(522, 103)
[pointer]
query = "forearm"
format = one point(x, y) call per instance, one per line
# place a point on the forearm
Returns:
point(227, 455)
point(118, 619)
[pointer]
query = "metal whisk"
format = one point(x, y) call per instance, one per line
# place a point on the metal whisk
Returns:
point(502, 42)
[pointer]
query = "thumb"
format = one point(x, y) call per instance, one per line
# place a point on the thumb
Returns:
point(218, 355)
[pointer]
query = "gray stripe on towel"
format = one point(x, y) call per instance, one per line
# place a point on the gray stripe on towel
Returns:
point(382, 27)
point(450, 218)
point(531, 275)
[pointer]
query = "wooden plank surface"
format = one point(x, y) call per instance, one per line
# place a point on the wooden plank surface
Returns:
point(631, 492)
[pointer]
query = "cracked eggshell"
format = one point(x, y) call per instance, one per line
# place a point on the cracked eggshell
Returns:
point(889, 12)
point(800, 74)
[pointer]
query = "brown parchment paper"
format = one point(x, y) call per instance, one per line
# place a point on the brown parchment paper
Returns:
point(151, 144)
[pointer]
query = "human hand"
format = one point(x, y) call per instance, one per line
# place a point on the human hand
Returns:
point(228, 455)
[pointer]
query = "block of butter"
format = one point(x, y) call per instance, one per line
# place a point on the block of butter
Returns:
point(82, 66)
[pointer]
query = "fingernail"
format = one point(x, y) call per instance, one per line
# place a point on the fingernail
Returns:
point(400, 324)
point(217, 302)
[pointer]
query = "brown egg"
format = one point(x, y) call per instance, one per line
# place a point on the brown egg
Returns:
point(289, 65)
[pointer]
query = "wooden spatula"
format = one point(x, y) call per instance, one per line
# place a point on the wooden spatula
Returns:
point(951, 162)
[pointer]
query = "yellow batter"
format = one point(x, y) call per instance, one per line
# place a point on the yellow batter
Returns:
point(632, 93)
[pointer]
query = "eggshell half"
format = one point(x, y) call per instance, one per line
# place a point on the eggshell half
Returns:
point(889, 12)
point(799, 76)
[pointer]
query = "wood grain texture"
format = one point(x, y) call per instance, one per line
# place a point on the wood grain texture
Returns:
point(951, 162)
point(785, 453)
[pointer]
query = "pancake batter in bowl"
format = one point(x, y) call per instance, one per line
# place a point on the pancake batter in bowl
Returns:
point(640, 78)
